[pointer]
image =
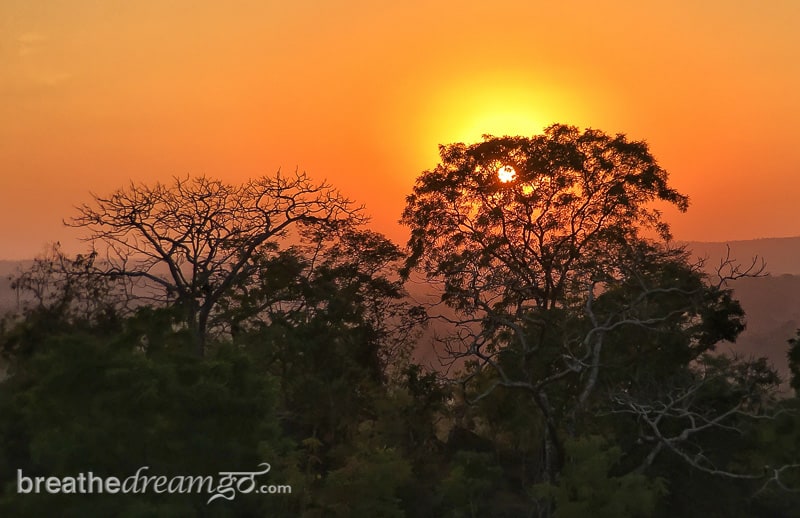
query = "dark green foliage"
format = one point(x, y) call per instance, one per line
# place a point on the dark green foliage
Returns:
point(374, 475)
point(587, 487)
point(92, 403)
point(469, 488)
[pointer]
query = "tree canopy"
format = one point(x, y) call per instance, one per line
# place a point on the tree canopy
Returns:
point(214, 327)
point(562, 284)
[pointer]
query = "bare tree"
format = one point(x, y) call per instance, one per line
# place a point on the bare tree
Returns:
point(187, 243)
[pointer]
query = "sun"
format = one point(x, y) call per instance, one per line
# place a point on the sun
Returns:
point(506, 174)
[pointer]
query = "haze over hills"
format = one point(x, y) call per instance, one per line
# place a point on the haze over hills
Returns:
point(781, 254)
point(771, 303)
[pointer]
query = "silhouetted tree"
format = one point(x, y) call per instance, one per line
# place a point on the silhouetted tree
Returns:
point(560, 282)
point(57, 292)
point(188, 242)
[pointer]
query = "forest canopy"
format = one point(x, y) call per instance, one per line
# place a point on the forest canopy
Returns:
point(212, 327)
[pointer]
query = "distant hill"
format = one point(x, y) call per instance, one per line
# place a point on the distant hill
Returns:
point(771, 303)
point(772, 310)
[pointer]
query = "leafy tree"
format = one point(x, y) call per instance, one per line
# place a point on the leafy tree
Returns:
point(327, 317)
point(62, 286)
point(89, 400)
point(472, 482)
point(367, 485)
point(586, 487)
point(57, 292)
point(560, 282)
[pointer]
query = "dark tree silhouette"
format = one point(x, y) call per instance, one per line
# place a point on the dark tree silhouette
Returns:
point(187, 243)
point(561, 282)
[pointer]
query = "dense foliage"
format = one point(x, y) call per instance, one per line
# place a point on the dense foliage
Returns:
point(580, 375)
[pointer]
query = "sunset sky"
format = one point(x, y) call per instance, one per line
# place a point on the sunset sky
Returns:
point(94, 94)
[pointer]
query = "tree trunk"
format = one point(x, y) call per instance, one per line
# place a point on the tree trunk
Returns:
point(197, 323)
point(200, 333)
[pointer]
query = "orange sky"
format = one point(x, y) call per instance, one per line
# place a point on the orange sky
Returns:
point(96, 93)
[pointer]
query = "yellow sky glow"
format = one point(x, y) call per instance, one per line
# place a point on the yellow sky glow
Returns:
point(95, 94)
